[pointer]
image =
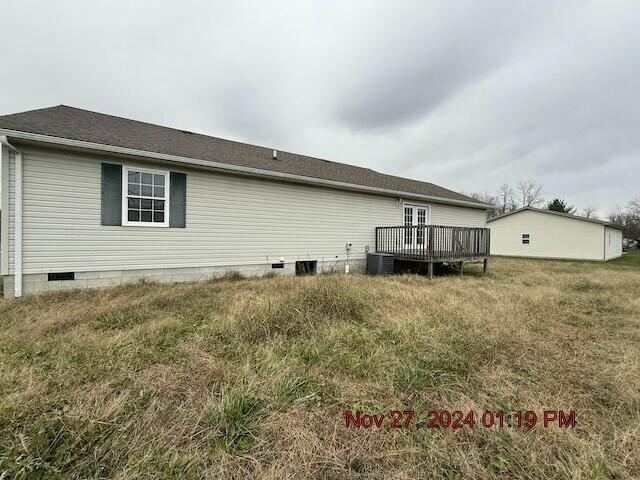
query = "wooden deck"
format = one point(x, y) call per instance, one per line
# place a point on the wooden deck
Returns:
point(435, 244)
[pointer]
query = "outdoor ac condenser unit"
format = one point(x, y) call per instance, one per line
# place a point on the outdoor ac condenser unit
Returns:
point(379, 263)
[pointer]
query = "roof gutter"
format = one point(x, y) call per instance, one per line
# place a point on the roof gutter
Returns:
point(234, 168)
point(17, 224)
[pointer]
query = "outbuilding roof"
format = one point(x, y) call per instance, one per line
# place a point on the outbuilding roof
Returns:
point(64, 122)
point(553, 212)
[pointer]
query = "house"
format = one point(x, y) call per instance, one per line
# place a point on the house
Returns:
point(97, 200)
point(532, 232)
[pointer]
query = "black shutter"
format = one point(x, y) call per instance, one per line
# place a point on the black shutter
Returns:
point(111, 194)
point(178, 200)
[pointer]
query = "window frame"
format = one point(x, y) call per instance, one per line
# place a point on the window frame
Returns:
point(527, 237)
point(125, 196)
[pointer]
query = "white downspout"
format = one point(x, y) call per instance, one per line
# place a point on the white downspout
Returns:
point(17, 222)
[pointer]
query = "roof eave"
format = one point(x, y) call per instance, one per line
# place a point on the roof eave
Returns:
point(560, 214)
point(231, 168)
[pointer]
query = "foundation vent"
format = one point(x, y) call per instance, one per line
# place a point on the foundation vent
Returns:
point(52, 277)
point(306, 267)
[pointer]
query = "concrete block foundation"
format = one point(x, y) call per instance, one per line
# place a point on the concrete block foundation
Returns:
point(39, 283)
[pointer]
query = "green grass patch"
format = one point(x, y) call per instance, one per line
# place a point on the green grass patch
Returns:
point(234, 420)
point(304, 389)
point(119, 320)
point(302, 310)
point(49, 445)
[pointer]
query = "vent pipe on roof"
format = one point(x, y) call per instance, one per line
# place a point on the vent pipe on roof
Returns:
point(275, 154)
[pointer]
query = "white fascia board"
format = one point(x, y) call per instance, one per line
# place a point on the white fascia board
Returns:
point(226, 167)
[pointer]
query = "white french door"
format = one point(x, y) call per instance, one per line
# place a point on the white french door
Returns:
point(415, 215)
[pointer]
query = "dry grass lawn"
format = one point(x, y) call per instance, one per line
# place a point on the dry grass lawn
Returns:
point(250, 378)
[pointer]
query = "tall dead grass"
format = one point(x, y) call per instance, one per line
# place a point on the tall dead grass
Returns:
point(250, 378)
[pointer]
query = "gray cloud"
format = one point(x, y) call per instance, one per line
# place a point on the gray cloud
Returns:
point(415, 61)
point(466, 94)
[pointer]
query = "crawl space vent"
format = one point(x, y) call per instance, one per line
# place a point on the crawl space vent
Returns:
point(306, 267)
point(52, 277)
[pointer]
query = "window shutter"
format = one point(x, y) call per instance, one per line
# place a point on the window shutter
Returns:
point(178, 200)
point(111, 194)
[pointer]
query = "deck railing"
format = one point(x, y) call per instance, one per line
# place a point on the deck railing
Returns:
point(434, 243)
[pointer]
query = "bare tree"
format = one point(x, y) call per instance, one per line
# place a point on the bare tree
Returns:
point(505, 199)
point(589, 212)
point(489, 198)
point(632, 219)
point(616, 216)
point(530, 193)
point(485, 197)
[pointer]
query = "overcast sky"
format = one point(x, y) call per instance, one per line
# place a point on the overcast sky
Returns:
point(465, 94)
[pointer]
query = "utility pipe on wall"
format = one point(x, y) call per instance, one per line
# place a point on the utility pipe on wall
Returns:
point(17, 237)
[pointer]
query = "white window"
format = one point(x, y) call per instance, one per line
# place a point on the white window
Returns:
point(525, 239)
point(145, 199)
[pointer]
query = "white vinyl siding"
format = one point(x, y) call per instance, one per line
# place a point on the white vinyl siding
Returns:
point(231, 220)
point(550, 236)
point(457, 216)
point(613, 243)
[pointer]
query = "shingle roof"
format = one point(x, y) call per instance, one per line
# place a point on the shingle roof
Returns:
point(553, 212)
point(83, 125)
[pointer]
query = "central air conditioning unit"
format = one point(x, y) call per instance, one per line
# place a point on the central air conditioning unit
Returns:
point(379, 263)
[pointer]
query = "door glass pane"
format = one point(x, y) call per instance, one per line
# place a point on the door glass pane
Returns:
point(422, 220)
point(408, 215)
point(408, 222)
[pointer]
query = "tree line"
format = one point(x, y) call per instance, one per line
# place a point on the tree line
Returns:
point(528, 193)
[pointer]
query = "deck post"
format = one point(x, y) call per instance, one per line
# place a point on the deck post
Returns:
point(431, 236)
point(430, 270)
point(461, 268)
point(485, 266)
